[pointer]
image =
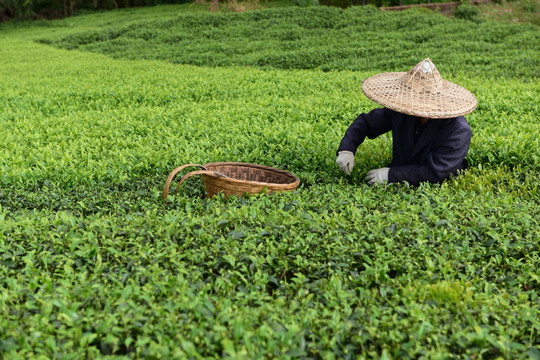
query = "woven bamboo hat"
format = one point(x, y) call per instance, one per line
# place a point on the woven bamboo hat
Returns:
point(420, 92)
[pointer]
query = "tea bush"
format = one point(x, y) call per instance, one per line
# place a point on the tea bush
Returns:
point(93, 263)
point(467, 12)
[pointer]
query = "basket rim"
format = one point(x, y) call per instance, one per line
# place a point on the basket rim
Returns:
point(296, 181)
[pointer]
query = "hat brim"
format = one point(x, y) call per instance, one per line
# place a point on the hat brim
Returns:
point(388, 90)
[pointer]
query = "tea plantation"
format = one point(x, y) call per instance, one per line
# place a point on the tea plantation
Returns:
point(96, 110)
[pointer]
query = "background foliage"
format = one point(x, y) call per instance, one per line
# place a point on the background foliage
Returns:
point(323, 38)
point(26, 9)
point(94, 264)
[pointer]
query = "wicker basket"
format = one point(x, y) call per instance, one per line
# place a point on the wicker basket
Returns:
point(233, 178)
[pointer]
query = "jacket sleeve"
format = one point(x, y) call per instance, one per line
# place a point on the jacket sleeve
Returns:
point(371, 125)
point(441, 162)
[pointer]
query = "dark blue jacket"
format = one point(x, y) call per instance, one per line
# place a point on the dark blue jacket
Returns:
point(438, 151)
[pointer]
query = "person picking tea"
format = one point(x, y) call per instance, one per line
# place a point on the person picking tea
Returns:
point(425, 114)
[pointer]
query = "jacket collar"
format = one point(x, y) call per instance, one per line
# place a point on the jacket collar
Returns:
point(431, 128)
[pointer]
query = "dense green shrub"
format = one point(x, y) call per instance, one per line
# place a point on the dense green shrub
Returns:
point(305, 3)
point(467, 12)
point(94, 264)
point(531, 6)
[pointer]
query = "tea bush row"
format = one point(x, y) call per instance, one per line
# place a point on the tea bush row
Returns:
point(144, 124)
point(358, 38)
point(290, 275)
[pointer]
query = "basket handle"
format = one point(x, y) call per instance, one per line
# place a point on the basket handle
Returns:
point(196, 172)
point(173, 173)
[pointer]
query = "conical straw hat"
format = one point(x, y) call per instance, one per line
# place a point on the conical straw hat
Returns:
point(420, 92)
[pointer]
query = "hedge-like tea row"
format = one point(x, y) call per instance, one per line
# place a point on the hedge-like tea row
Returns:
point(358, 38)
point(94, 263)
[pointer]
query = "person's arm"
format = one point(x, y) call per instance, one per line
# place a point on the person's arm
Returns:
point(371, 125)
point(441, 163)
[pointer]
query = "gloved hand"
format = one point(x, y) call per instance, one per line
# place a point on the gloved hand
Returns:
point(377, 176)
point(345, 161)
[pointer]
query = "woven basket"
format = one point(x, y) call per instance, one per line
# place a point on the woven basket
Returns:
point(233, 178)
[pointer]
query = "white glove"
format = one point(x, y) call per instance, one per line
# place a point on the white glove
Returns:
point(377, 176)
point(345, 161)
